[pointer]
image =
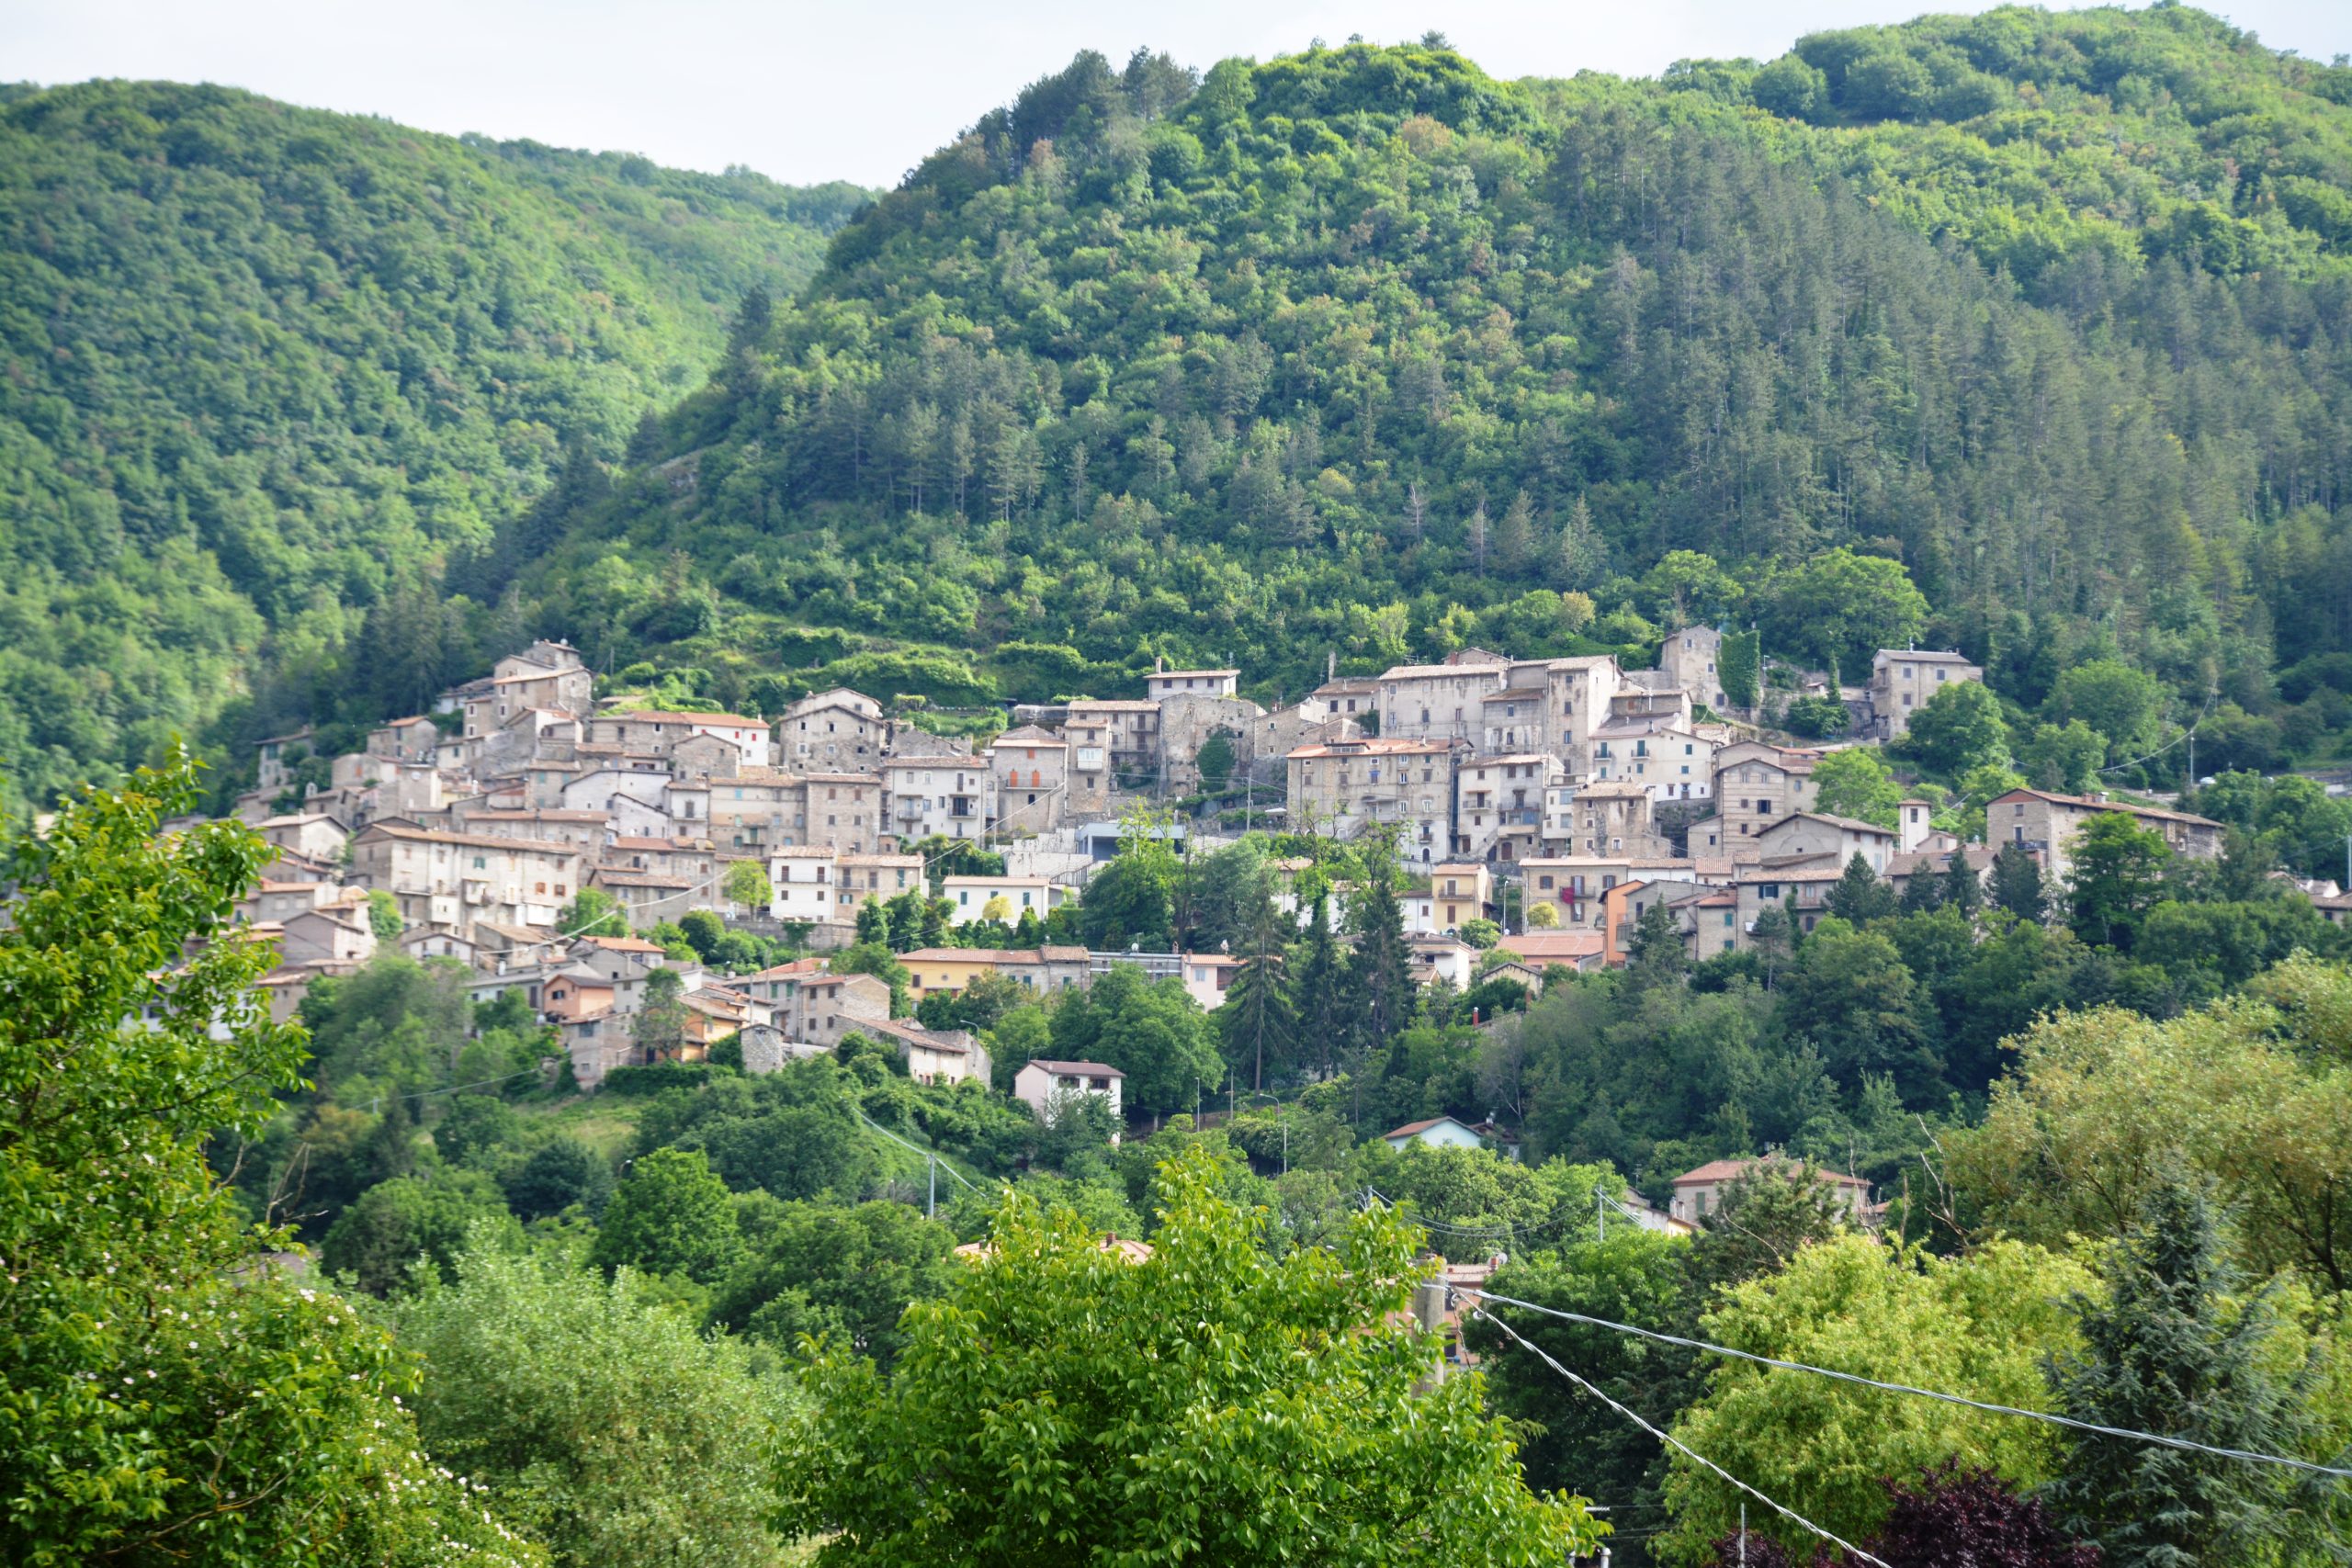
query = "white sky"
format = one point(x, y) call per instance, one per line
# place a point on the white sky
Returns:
point(806, 92)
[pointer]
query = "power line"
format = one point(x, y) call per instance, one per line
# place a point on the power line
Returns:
point(2184, 1444)
point(1677, 1443)
point(933, 1155)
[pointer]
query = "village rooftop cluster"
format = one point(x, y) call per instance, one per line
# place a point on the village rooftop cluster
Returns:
point(1507, 785)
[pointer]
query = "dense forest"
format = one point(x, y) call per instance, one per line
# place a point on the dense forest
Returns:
point(1357, 351)
point(268, 369)
point(1361, 351)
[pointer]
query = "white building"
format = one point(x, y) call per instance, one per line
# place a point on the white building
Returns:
point(806, 881)
point(943, 798)
point(1043, 1085)
point(968, 898)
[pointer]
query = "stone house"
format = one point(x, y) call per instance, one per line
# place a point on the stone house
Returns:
point(1688, 657)
point(1441, 701)
point(2046, 823)
point(1032, 769)
point(1114, 746)
point(1902, 681)
point(835, 731)
point(846, 811)
point(826, 1008)
point(656, 731)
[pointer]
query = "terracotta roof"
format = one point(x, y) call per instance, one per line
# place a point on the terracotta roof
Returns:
point(991, 955)
point(624, 943)
point(1412, 1129)
point(1115, 705)
point(1538, 946)
point(1924, 656)
point(1373, 746)
point(787, 971)
point(1732, 1169)
point(1029, 735)
point(1443, 672)
point(1180, 675)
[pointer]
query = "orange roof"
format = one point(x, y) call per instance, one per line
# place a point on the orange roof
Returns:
point(1539, 946)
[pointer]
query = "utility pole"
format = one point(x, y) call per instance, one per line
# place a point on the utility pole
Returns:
point(1600, 1214)
point(931, 1202)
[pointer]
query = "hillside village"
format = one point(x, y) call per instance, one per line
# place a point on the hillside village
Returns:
point(1559, 798)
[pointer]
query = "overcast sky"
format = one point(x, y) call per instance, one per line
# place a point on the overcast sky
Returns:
point(806, 92)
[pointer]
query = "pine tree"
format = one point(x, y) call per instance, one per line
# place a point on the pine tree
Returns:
point(1515, 537)
point(2176, 1347)
point(1961, 890)
point(1580, 556)
point(1859, 897)
point(1655, 953)
point(1922, 892)
point(1322, 1013)
point(1259, 1021)
point(2018, 883)
point(1379, 975)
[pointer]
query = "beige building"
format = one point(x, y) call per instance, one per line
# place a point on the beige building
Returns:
point(2047, 823)
point(1699, 1193)
point(1902, 681)
point(1811, 834)
point(1757, 783)
point(1457, 892)
point(1441, 701)
point(1499, 805)
point(1345, 787)
point(1041, 1085)
point(454, 879)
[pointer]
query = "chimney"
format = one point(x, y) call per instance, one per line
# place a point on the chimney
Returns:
point(1911, 825)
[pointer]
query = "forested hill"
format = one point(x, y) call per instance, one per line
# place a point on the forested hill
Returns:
point(1359, 350)
point(265, 368)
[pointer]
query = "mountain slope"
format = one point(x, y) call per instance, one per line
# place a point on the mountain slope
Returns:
point(1361, 351)
point(265, 365)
